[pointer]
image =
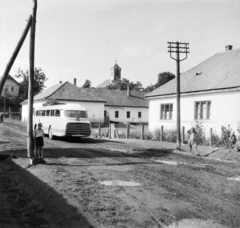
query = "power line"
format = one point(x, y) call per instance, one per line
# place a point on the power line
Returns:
point(14, 21)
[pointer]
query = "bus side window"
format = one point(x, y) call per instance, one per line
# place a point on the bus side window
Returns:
point(52, 113)
point(37, 114)
point(57, 113)
point(47, 112)
point(43, 113)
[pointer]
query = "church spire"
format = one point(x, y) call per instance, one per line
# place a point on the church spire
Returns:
point(115, 72)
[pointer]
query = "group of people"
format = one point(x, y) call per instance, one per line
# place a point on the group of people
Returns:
point(193, 141)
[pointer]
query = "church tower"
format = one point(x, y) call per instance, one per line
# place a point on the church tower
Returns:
point(115, 73)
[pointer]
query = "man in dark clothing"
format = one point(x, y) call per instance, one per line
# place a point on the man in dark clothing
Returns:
point(1, 118)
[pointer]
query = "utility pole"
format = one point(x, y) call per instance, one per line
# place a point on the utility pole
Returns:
point(15, 53)
point(178, 47)
point(31, 81)
point(5, 93)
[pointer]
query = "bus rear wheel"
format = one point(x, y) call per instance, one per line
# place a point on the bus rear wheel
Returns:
point(50, 133)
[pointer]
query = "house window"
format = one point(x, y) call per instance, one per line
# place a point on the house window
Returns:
point(128, 114)
point(116, 114)
point(202, 110)
point(7, 88)
point(12, 88)
point(139, 114)
point(166, 111)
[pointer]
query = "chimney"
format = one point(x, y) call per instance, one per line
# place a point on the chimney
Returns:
point(228, 47)
point(75, 81)
point(60, 82)
point(128, 91)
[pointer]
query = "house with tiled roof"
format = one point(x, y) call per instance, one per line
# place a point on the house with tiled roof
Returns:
point(123, 106)
point(210, 93)
point(11, 87)
point(68, 93)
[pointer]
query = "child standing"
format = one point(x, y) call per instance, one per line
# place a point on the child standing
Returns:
point(192, 142)
point(39, 143)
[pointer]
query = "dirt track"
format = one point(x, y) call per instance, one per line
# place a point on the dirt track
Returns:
point(66, 190)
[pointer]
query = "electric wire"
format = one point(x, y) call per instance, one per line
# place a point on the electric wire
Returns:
point(184, 73)
point(7, 30)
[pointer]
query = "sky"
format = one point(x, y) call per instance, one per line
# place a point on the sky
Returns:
point(82, 39)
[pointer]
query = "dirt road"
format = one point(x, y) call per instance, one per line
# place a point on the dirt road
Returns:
point(120, 183)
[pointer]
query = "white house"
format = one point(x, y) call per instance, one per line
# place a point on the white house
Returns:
point(69, 94)
point(123, 106)
point(11, 87)
point(210, 93)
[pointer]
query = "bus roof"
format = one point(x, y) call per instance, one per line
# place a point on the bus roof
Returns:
point(63, 106)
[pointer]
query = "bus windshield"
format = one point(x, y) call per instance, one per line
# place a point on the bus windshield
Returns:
point(75, 114)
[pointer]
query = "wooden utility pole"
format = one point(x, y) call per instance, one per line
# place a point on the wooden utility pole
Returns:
point(31, 81)
point(178, 48)
point(15, 53)
point(5, 93)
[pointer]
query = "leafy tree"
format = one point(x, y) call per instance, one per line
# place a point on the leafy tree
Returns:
point(124, 84)
point(38, 84)
point(163, 78)
point(87, 84)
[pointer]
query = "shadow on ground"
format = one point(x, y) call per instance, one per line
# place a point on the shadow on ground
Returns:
point(91, 153)
point(40, 199)
point(86, 140)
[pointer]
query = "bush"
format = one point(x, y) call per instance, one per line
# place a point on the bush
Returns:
point(170, 136)
point(157, 134)
point(222, 141)
point(149, 136)
point(201, 139)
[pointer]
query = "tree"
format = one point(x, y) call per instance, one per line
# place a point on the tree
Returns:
point(124, 84)
point(87, 84)
point(163, 78)
point(39, 80)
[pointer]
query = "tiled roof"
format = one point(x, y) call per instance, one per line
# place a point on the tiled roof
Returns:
point(11, 78)
point(221, 71)
point(120, 97)
point(67, 91)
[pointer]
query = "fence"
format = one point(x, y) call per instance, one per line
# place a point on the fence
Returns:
point(161, 134)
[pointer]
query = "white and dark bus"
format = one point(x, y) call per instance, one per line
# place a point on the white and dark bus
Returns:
point(63, 120)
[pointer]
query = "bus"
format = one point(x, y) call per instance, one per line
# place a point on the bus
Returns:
point(69, 120)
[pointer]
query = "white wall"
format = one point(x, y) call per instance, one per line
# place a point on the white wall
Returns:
point(95, 110)
point(10, 83)
point(123, 114)
point(225, 110)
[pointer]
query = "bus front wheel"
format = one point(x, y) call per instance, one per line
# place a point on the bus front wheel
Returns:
point(50, 133)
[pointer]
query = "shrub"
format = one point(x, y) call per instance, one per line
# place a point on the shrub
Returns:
point(170, 136)
point(134, 135)
point(149, 136)
point(157, 134)
point(201, 139)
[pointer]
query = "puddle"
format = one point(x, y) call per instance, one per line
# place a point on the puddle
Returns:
point(119, 183)
point(234, 178)
point(171, 162)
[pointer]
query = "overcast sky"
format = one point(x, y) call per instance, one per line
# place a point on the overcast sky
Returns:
point(83, 38)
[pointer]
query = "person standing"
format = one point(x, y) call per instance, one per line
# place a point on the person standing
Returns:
point(192, 142)
point(39, 142)
point(1, 118)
